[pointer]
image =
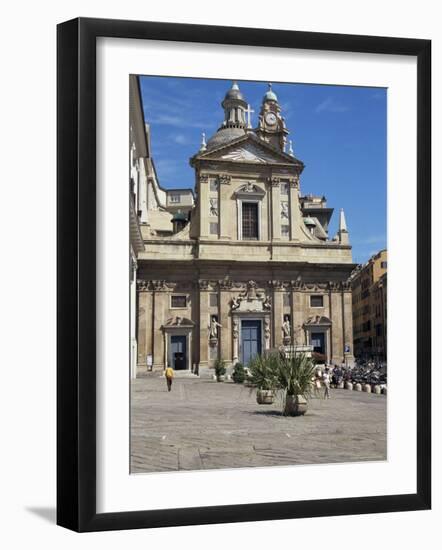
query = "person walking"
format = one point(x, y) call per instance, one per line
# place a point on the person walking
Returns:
point(326, 382)
point(169, 377)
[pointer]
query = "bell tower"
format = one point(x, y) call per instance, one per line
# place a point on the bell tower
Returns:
point(272, 128)
point(234, 109)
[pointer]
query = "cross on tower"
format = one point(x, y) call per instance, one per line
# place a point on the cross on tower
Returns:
point(249, 111)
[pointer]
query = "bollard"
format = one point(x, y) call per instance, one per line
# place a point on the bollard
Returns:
point(341, 385)
point(367, 388)
point(377, 389)
point(357, 387)
point(384, 390)
point(348, 386)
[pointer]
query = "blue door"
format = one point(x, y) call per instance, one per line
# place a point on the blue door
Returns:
point(177, 359)
point(250, 340)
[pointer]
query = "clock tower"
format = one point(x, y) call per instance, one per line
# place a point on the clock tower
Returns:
point(272, 128)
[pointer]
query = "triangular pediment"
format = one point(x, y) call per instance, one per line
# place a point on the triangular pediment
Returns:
point(249, 149)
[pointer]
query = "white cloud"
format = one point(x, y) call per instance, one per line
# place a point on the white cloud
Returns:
point(332, 106)
point(181, 139)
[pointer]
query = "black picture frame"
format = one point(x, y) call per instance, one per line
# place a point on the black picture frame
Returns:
point(76, 274)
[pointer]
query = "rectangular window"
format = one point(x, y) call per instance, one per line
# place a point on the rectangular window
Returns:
point(284, 188)
point(250, 221)
point(175, 198)
point(384, 265)
point(213, 228)
point(213, 185)
point(213, 300)
point(316, 301)
point(178, 301)
point(286, 300)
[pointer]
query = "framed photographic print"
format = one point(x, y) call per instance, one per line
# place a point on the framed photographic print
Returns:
point(243, 274)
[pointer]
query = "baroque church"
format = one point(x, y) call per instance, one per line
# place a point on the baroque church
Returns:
point(242, 263)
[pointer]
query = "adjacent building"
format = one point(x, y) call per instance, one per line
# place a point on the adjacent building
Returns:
point(369, 288)
point(244, 262)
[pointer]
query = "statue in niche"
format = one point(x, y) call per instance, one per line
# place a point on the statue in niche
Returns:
point(267, 303)
point(213, 329)
point(285, 210)
point(286, 328)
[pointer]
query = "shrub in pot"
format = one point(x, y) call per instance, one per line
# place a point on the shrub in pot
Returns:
point(239, 373)
point(220, 370)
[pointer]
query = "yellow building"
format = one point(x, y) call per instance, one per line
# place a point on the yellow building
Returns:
point(369, 289)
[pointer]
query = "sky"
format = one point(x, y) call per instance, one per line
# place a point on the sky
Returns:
point(339, 132)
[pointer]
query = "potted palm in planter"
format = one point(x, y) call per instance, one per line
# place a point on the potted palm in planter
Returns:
point(295, 381)
point(263, 371)
point(220, 369)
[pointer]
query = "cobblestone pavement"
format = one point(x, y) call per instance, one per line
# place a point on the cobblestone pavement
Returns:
point(202, 424)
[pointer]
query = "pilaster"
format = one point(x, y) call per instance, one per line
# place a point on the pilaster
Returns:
point(295, 212)
point(278, 308)
point(347, 320)
point(224, 204)
point(224, 320)
point(203, 205)
point(337, 347)
point(160, 305)
point(203, 325)
point(276, 208)
point(143, 311)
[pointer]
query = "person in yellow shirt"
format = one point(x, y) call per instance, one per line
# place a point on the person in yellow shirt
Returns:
point(169, 377)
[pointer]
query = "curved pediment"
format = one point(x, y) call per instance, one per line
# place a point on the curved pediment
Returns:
point(318, 320)
point(178, 322)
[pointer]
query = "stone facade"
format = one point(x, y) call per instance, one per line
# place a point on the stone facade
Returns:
point(250, 266)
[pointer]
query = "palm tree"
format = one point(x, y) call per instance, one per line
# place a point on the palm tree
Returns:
point(295, 381)
point(263, 373)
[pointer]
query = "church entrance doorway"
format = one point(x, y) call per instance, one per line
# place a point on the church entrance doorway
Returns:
point(178, 345)
point(250, 340)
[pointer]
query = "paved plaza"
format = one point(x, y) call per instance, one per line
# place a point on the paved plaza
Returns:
point(202, 424)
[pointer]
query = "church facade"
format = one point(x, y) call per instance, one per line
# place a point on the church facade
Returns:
point(246, 265)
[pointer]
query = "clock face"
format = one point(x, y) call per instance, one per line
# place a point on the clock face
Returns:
point(271, 118)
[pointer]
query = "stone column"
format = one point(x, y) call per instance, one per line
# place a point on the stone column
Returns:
point(295, 212)
point(347, 321)
point(160, 305)
point(337, 345)
point(203, 200)
point(204, 325)
point(277, 313)
point(224, 319)
point(276, 208)
point(224, 205)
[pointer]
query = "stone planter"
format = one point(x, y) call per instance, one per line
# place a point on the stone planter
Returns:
point(357, 387)
point(377, 389)
point(348, 386)
point(295, 405)
point(265, 397)
point(220, 378)
point(367, 388)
